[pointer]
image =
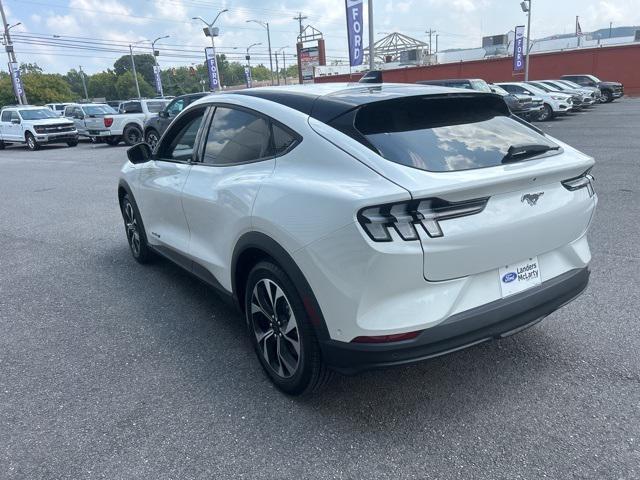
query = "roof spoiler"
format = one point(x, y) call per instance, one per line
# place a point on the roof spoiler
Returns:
point(372, 76)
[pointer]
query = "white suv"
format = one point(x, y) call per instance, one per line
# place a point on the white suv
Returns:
point(555, 103)
point(35, 126)
point(359, 226)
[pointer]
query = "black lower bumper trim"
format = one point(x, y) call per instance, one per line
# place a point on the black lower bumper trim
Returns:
point(497, 319)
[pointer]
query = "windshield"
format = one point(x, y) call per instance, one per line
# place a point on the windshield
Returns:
point(155, 107)
point(480, 85)
point(499, 90)
point(98, 110)
point(570, 84)
point(595, 79)
point(543, 87)
point(445, 134)
point(557, 86)
point(37, 114)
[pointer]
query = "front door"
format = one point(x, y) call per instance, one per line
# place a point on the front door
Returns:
point(162, 180)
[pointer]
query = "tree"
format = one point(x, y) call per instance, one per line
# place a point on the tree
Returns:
point(74, 80)
point(126, 87)
point(144, 66)
point(103, 85)
point(43, 88)
point(260, 72)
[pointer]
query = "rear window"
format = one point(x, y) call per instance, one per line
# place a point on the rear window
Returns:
point(155, 107)
point(444, 134)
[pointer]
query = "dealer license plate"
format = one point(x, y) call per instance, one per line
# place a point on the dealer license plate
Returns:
point(520, 276)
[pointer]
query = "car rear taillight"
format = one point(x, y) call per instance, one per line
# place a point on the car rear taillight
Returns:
point(403, 217)
point(583, 181)
point(108, 121)
point(396, 337)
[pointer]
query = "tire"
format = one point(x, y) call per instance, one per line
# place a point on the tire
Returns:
point(32, 143)
point(132, 135)
point(546, 113)
point(2, 145)
point(72, 143)
point(134, 230)
point(113, 141)
point(294, 366)
point(607, 96)
point(152, 137)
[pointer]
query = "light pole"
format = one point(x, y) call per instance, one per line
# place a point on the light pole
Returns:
point(155, 60)
point(372, 62)
point(284, 66)
point(266, 25)
point(248, 58)
point(84, 84)
point(8, 46)
point(526, 8)
point(213, 33)
point(135, 74)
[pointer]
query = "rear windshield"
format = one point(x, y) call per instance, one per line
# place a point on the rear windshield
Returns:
point(155, 107)
point(444, 134)
point(99, 110)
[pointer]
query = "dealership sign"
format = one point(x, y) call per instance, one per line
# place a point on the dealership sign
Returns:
point(518, 49)
point(354, 28)
point(18, 89)
point(158, 79)
point(309, 58)
point(212, 66)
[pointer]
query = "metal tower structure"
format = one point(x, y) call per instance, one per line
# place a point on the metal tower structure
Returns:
point(390, 47)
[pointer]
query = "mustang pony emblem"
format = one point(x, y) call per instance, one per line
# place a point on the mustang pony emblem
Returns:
point(531, 198)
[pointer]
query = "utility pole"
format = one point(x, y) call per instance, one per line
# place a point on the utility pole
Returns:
point(266, 25)
point(84, 85)
point(284, 66)
point(213, 33)
point(430, 32)
point(277, 71)
point(300, 18)
point(372, 62)
point(8, 46)
point(526, 63)
point(437, 35)
point(248, 58)
point(135, 74)
point(610, 27)
point(155, 60)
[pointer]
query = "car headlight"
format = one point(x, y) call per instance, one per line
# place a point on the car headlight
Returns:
point(39, 129)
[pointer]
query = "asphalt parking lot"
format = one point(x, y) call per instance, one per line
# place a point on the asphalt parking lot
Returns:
point(113, 370)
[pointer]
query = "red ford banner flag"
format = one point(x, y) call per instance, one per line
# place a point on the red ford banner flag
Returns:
point(354, 28)
point(212, 66)
point(518, 49)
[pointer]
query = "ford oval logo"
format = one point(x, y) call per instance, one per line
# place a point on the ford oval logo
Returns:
point(509, 277)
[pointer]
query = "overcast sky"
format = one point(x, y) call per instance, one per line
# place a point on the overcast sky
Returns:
point(460, 24)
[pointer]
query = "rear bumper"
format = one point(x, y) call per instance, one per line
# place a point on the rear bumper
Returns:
point(494, 320)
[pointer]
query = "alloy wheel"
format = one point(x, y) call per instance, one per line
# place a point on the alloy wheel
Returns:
point(275, 328)
point(133, 136)
point(133, 233)
point(152, 139)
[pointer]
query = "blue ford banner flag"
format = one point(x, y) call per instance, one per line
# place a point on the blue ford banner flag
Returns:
point(210, 54)
point(14, 69)
point(247, 76)
point(354, 28)
point(518, 49)
point(158, 79)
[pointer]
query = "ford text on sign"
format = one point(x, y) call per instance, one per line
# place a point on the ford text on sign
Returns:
point(354, 27)
point(518, 50)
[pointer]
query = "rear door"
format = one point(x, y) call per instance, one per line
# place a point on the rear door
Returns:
point(162, 181)
point(483, 207)
point(219, 194)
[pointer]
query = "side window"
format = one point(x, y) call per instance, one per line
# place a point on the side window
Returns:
point(132, 107)
point(237, 136)
point(175, 107)
point(282, 140)
point(77, 112)
point(14, 115)
point(68, 112)
point(6, 116)
point(180, 139)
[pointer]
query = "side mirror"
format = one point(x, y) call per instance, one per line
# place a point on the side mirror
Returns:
point(79, 116)
point(163, 114)
point(493, 90)
point(139, 153)
point(15, 121)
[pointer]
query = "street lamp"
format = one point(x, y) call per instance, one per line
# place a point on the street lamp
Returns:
point(266, 25)
point(155, 60)
point(213, 32)
point(248, 58)
point(526, 8)
point(284, 66)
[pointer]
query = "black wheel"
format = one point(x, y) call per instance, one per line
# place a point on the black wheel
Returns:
point(281, 333)
point(607, 96)
point(2, 145)
point(132, 135)
point(135, 231)
point(546, 113)
point(73, 143)
point(32, 143)
point(152, 138)
point(113, 141)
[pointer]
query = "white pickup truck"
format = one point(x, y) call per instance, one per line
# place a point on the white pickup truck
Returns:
point(128, 125)
point(35, 126)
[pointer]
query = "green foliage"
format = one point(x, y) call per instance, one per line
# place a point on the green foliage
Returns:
point(126, 86)
point(74, 80)
point(103, 85)
point(39, 87)
point(144, 66)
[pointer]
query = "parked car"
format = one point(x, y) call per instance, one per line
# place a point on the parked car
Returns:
point(554, 104)
point(359, 228)
point(35, 126)
point(155, 126)
point(467, 83)
point(610, 90)
point(588, 97)
point(576, 98)
point(57, 107)
point(524, 106)
point(115, 104)
point(87, 117)
point(128, 126)
point(595, 90)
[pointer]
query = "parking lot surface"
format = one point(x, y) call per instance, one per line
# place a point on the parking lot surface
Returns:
point(110, 369)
